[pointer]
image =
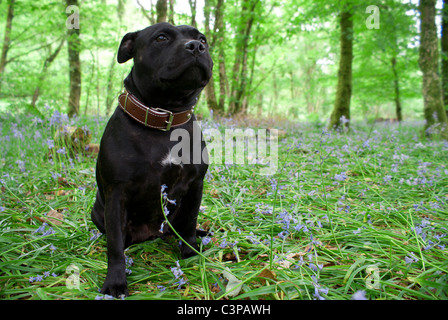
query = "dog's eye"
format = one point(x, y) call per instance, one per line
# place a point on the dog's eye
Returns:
point(161, 38)
point(203, 41)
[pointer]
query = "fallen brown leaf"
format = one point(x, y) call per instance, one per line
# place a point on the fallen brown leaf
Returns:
point(266, 273)
point(57, 215)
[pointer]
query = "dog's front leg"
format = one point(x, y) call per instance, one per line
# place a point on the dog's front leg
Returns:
point(185, 224)
point(115, 219)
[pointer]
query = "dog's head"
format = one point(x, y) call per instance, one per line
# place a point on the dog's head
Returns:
point(168, 57)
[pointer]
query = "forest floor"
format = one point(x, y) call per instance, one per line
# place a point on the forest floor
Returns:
point(344, 216)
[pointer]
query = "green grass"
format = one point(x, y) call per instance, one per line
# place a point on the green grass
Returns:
point(366, 210)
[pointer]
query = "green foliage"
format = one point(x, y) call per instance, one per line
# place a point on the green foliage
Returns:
point(292, 55)
point(338, 207)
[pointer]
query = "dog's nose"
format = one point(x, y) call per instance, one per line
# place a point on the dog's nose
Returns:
point(195, 47)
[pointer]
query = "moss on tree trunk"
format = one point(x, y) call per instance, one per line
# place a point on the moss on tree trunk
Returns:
point(434, 112)
point(341, 108)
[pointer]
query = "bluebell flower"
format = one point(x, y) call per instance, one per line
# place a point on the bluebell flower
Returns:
point(21, 165)
point(312, 266)
point(180, 282)
point(340, 177)
point(438, 237)
point(252, 238)
point(366, 144)
point(55, 175)
point(95, 234)
point(324, 290)
point(177, 272)
point(223, 244)
point(411, 259)
point(166, 212)
point(299, 263)
point(49, 232)
point(283, 235)
point(50, 143)
point(128, 262)
point(344, 120)
point(318, 289)
point(55, 117)
point(206, 240)
point(359, 295)
point(417, 229)
point(41, 228)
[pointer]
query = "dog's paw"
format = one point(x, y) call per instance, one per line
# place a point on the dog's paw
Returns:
point(114, 288)
point(203, 233)
point(187, 252)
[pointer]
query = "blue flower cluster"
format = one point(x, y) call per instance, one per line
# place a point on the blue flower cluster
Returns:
point(44, 231)
point(427, 232)
point(178, 275)
point(165, 202)
point(39, 278)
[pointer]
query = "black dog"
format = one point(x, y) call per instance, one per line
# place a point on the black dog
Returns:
point(171, 67)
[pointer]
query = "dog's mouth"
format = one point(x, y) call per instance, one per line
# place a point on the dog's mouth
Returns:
point(193, 74)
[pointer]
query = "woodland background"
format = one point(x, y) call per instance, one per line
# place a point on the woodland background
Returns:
point(349, 214)
point(296, 59)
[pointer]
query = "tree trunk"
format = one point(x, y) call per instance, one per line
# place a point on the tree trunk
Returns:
point(397, 90)
point(241, 48)
point(110, 92)
point(444, 43)
point(74, 47)
point(429, 62)
point(162, 8)
point(171, 12)
point(41, 78)
point(211, 37)
point(341, 108)
point(219, 30)
point(6, 39)
point(193, 12)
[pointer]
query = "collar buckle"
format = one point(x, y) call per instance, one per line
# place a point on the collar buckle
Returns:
point(169, 122)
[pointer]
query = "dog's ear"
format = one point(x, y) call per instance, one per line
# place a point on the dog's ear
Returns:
point(126, 49)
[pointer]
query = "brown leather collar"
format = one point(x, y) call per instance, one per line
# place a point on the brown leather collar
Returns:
point(155, 118)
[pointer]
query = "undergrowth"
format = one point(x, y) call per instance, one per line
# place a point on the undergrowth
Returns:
point(345, 215)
